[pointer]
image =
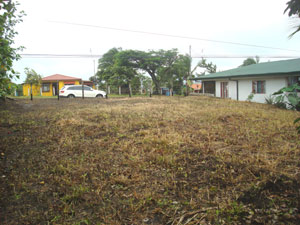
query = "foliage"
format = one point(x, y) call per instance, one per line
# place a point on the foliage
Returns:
point(119, 67)
point(293, 9)
point(127, 161)
point(32, 77)
point(289, 95)
point(270, 100)
point(250, 97)
point(106, 70)
point(288, 98)
point(250, 61)
point(209, 67)
point(295, 122)
point(146, 83)
point(8, 19)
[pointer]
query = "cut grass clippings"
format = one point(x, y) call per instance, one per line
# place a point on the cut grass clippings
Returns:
point(161, 160)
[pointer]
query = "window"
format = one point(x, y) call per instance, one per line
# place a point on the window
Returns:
point(259, 87)
point(86, 88)
point(293, 80)
point(45, 87)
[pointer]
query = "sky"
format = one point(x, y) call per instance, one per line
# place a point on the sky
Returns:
point(73, 27)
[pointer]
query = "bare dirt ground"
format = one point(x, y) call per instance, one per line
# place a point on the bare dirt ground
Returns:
point(161, 160)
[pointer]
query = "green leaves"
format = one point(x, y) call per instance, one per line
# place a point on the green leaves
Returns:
point(293, 100)
point(32, 77)
point(293, 9)
point(8, 19)
point(297, 128)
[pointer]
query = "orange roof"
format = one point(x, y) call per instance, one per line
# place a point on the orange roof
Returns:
point(196, 86)
point(59, 77)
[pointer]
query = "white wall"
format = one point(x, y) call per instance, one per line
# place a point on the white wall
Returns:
point(218, 89)
point(231, 89)
point(272, 85)
point(245, 88)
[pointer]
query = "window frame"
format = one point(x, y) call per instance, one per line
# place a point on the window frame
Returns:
point(45, 85)
point(256, 89)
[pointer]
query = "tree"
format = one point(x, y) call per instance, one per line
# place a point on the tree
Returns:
point(146, 83)
point(250, 61)
point(177, 72)
point(152, 62)
point(209, 67)
point(8, 19)
point(293, 9)
point(32, 78)
point(106, 69)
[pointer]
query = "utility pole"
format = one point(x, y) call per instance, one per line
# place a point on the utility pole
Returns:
point(82, 89)
point(189, 73)
point(58, 90)
point(93, 62)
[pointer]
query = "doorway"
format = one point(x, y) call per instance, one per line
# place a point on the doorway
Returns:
point(54, 89)
point(224, 89)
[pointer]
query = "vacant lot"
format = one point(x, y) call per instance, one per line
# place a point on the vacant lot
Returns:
point(168, 160)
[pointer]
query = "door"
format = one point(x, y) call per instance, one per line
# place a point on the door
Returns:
point(54, 89)
point(224, 89)
point(88, 92)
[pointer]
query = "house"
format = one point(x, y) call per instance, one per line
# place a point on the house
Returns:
point(196, 87)
point(261, 80)
point(52, 84)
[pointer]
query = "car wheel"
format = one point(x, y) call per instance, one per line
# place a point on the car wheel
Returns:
point(71, 96)
point(99, 96)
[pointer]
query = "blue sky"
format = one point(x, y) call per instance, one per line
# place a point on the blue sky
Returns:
point(253, 22)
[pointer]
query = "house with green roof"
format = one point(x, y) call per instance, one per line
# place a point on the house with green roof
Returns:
point(262, 79)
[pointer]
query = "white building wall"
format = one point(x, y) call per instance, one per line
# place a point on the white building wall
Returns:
point(245, 88)
point(218, 89)
point(272, 85)
point(232, 90)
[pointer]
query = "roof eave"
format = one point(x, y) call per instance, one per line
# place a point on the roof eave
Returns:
point(245, 76)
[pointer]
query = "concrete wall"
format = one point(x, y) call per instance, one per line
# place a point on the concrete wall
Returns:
point(245, 88)
point(218, 89)
point(272, 85)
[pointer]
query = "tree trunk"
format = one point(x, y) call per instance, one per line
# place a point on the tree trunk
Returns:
point(130, 90)
point(120, 90)
point(156, 83)
point(31, 92)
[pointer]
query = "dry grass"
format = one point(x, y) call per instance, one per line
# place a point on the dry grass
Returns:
point(163, 160)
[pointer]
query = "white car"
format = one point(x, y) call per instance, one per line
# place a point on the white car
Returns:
point(72, 91)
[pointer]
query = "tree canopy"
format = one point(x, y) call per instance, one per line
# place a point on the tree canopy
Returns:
point(8, 19)
point(119, 66)
point(250, 61)
point(32, 77)
point(293, 9)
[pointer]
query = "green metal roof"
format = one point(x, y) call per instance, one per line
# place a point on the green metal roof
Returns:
point(291, 66)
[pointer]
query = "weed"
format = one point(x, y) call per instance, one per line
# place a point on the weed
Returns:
point(193, 160)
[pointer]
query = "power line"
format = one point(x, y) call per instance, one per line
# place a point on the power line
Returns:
point(27, 55)
point(175, 36)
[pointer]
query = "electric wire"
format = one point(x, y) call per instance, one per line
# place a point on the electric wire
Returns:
point(30, 55)
point(175, 36)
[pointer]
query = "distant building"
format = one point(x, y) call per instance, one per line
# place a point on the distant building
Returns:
point(196, 87)
point(52, 84)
